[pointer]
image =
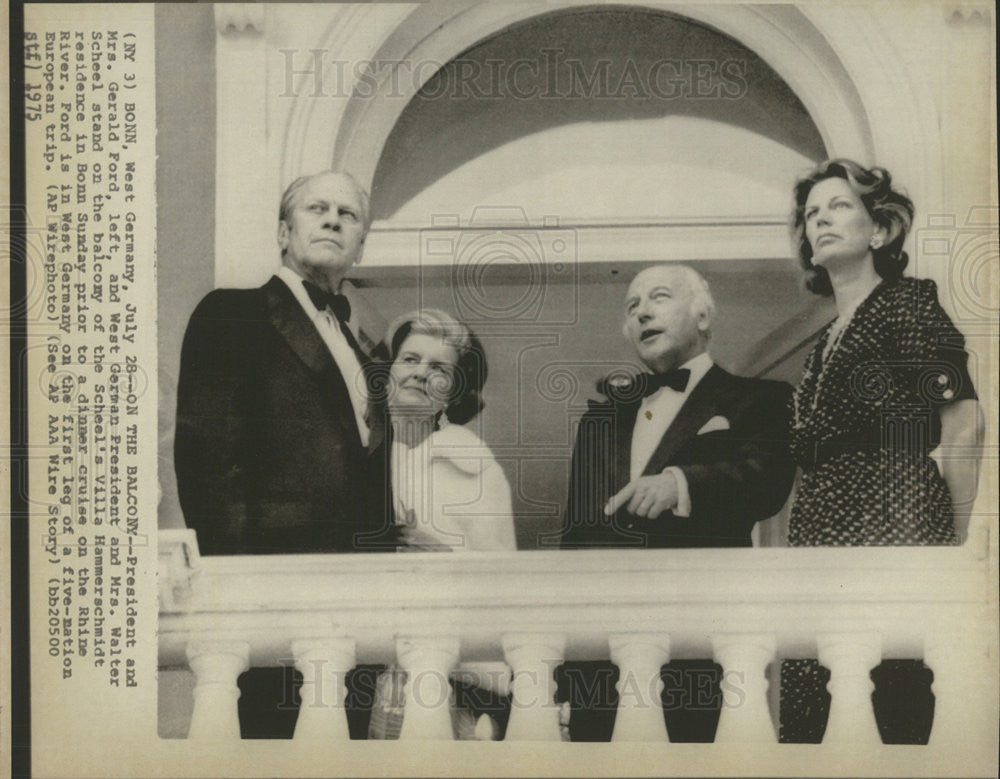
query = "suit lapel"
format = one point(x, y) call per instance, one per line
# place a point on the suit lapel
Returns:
point(298, 331)
point(302, 337)
point(624, 422)
point(699, 407)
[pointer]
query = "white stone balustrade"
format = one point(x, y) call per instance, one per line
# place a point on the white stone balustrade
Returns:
point(533, 659)
point(639, 658)
point(216, 666)
point(324, 665)
point(434, 614)
point(428, 663)
point(745, 716)
point(850, 658)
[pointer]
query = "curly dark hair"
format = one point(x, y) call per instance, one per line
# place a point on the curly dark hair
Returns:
point(888, 208)
point(465, 399)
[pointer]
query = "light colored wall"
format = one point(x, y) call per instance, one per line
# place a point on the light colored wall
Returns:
point(185, 185)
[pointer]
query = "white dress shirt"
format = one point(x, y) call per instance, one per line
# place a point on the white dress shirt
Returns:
point(656, 414)
point(341, 351)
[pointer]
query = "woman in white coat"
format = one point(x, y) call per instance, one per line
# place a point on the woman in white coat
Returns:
point(449, 493)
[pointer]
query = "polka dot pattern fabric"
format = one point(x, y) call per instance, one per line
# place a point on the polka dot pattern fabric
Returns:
point(805, 702)
point(865, 419)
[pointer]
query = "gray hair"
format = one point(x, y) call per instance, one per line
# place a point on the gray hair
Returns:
point(291, 193)
point(701, 294)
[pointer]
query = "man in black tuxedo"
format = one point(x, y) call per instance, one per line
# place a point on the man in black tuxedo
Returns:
point(686, 455)
point(272, 442)
point(272, 447)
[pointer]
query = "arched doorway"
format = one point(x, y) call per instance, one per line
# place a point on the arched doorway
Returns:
point(598, 115)
point(781, 37)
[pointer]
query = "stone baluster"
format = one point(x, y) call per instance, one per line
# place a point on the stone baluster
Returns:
point(324, 665)
point(533, 658)
point(216, 666)
point(850, 658)
point(639, 658)
point(745, 714)
point(427, 662)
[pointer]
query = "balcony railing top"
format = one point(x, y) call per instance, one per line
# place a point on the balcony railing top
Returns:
point(904, 593)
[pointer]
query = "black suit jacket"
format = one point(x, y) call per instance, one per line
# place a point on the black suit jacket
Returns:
point(267, 450)
point(736, 477)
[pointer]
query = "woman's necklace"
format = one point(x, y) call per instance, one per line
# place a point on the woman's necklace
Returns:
point(834, 336)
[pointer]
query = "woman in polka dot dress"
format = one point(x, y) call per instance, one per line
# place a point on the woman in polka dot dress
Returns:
point(885, 385)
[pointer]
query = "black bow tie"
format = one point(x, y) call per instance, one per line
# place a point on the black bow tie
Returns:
point(338, 304)
point(340, 307)
point(677, 379)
